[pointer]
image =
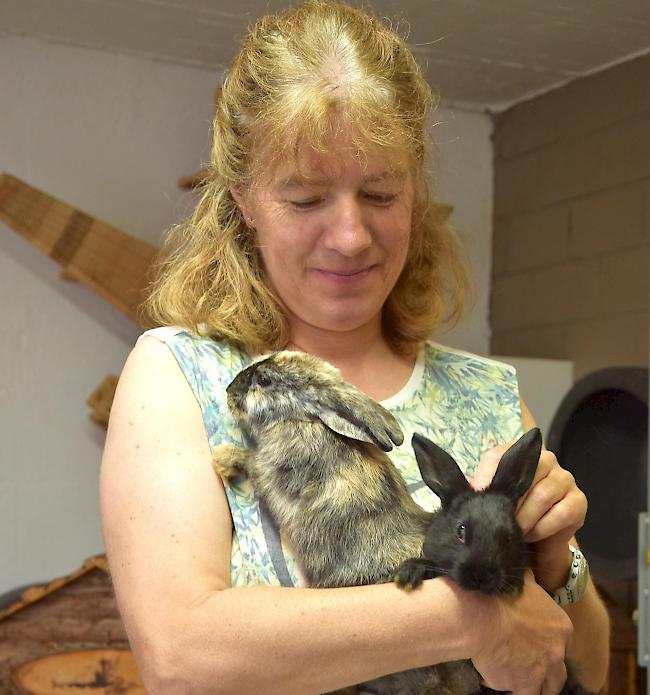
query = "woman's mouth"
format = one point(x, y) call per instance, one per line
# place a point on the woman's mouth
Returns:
point(346, 273)
point(344, 277)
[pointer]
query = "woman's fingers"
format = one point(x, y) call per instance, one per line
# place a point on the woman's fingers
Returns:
point(564, 517)
point(553, 503)
point(549, 513)
point(487, 467)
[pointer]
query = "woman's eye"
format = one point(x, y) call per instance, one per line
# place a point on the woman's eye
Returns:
point(305, 204)
point(381, 198)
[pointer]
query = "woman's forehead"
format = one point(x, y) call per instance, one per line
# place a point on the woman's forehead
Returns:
point(311, 165)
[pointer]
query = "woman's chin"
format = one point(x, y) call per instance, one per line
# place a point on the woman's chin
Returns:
point(341, 319)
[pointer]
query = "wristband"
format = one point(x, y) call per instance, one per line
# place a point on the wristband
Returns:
point(576, 583)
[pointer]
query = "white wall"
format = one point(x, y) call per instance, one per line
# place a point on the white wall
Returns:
point(110, 134)
point(543, 384)
point(463, 177)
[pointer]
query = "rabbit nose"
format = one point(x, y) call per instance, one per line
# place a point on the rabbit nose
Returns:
point(486, 578)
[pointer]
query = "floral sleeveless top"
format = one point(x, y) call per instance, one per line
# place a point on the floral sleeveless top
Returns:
point(463, 402)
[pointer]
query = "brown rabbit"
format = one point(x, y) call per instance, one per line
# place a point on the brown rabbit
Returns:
point(318, 461)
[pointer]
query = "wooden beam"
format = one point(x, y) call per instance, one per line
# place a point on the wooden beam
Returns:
point(101, 400)
point(101, 257)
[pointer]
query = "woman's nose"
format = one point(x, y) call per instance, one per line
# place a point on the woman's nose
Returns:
point(347, 230)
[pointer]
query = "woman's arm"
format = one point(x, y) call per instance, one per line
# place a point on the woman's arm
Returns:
point(167, 529)
point(550, 514)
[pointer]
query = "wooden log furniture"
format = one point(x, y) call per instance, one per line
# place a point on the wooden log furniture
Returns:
point(67, 636)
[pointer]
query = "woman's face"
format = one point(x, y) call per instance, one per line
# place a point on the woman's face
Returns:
point(333, 234)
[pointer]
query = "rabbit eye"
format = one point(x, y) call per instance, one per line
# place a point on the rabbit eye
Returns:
point(460, 532)
point(262, 379)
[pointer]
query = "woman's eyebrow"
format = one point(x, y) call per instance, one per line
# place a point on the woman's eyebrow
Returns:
point(389, 175)
point(297, 181)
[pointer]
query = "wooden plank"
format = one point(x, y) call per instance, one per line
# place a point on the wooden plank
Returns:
point(101, 399)
point(103, 258)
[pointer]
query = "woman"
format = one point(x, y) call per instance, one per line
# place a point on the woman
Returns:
point(315, 232)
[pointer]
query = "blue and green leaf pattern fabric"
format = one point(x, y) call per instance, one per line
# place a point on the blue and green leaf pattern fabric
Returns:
point(463, 402)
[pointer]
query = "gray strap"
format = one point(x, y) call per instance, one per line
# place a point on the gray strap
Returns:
point(274, 544)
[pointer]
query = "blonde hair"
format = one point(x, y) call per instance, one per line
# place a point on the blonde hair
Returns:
point(295, 74)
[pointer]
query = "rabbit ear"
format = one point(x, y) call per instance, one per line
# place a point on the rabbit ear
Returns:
point(517, 467)
point(439, 470)
point(355, 415)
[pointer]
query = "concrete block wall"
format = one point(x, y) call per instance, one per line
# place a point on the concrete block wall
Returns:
point(571, 241)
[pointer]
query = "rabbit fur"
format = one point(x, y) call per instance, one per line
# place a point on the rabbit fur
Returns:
point(475, 538)
point(318, 460)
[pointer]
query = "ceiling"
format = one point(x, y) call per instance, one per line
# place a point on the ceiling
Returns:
point(480, 54)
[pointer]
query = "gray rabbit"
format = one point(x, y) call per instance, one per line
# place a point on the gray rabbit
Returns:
point(475, 538)
point(318, 461)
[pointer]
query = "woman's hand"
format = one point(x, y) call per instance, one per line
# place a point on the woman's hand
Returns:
point(524, 645)
point(549, 514)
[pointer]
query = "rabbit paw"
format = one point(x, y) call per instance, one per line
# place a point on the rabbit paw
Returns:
point(229, 460)
point(410, 574)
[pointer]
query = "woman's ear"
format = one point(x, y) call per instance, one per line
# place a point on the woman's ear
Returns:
point(239, 196)
point(237, 192)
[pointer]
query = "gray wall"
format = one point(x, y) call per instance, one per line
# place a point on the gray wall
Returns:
point(572, 222)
